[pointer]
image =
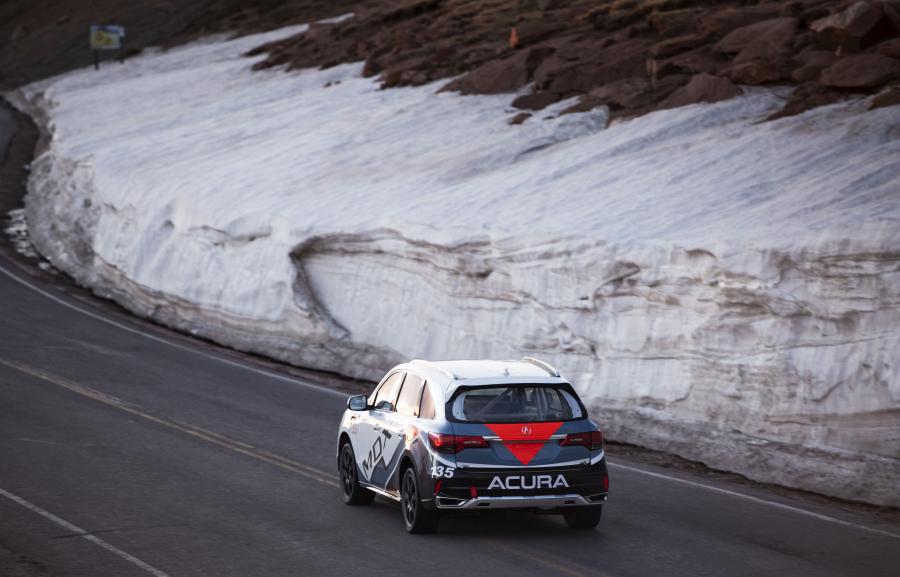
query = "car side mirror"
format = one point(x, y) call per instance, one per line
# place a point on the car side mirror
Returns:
point(358, 403)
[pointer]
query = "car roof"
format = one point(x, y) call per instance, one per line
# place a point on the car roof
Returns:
point(448, 375)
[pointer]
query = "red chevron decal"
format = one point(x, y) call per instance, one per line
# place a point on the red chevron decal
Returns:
point(525, 440)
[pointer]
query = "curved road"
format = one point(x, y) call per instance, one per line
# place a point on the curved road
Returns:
point(125, 453)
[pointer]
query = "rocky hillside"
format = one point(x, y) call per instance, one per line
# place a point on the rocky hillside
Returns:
point(632, 56)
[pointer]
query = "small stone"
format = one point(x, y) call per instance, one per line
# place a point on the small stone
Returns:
point(519, 118)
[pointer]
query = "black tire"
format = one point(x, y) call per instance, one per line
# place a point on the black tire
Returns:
point(352, 492)
point(416, 517)
point(583, 519)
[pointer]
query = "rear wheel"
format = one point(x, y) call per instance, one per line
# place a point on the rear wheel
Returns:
point(583, 519)
point(416, 517)
point(352, 492)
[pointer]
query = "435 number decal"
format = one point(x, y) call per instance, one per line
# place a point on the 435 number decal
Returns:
point(440, 471)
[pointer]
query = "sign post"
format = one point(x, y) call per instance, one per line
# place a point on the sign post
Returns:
point(107, 37)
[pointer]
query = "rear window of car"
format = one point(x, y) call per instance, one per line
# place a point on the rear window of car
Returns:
point(515, 404)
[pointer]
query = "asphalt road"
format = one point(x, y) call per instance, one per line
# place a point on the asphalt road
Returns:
point(124, 452)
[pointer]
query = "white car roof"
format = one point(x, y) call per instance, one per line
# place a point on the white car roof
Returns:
point(446, 376)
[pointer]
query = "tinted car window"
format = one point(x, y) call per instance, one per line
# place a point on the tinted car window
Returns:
point(408, 401)
point(384, 400)
point(426, 407)
point(515, 404)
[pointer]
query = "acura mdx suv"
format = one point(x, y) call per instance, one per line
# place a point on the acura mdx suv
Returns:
point(448, 436)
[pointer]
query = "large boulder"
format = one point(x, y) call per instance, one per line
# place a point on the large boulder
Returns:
point(621, 60)
point(762, 38)
point(760, 71)
point(805, 97)
point(675, 22)
point(890, 48)
point(868, 70)
point(677, 45)
point(702, 88)
point(763, 50)
point(721, 22)
point(811, 63)
point(529, 33)
point(497, 76)
point(702, 59)
point(626, 93)
point(855, 27)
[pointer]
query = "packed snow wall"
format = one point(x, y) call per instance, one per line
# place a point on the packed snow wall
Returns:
point(716, 286)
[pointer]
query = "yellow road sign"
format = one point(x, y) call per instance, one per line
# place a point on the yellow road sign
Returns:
point(106, 37)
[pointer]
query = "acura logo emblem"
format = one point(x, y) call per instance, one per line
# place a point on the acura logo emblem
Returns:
point(526, 430)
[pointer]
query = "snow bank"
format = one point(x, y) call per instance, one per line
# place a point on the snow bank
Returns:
point(720, 287)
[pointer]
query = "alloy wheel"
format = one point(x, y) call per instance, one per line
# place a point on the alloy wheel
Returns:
point(410, 499)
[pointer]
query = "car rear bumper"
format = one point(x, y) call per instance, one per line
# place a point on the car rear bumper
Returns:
point(523, 488)
point(521, 502)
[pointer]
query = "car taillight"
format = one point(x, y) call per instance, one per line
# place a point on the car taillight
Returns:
point(592, 440)
point(596, 440)
point(443, 443)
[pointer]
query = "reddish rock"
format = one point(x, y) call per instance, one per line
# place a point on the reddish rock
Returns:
point(811, 63)
point(791, 9)
point(582, 49)
point(722, 22)
point(675, 22)
point(766, 36)
point(804, 40)
point(757, 72)
point(890, 97)
point(626, 93)
point(702, 88)
point(496, 76)
point(805, 97)
point(677, 45)
point(699, 60)
point(890, 48)
point(535, 101)
point(548, 68)
point(528, 33)
point(892, 13)
point(813, 13)
point(519, 118)
point(619, 61)
point(861, 71)
point(663, 88)
point(657, 69)
point(857, 26)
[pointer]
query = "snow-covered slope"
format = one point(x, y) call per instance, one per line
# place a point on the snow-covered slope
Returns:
point(714, 285)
